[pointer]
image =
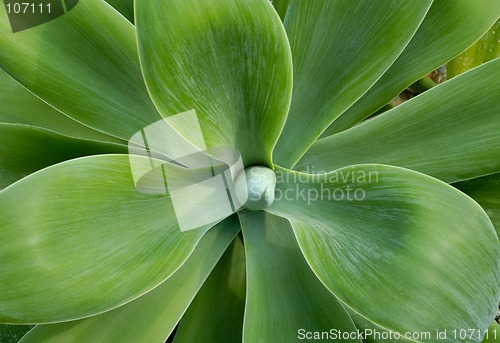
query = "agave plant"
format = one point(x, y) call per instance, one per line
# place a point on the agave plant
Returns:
point(365, 238)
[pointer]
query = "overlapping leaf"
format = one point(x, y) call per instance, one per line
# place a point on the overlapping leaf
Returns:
point(227, 59)
point(285, 301)
point(26, 149)
point(85, 64)
point(281, 7)
point(449, 132)
point(216, 314)
point(78, 239)
point(406, 251)
point(153, 316)
point(125, 7)
point(448, 28)
point(339, 48)
point(22, 107)
point(486, 191)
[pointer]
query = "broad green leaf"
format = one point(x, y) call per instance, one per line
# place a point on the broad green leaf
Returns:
point(78, 239)
point(26, 149)
point(85, 64)
point(449, 132)
point(13, 333)
point(448, 28)
point(22, 107)
point(404, 250)
point(216, 314)
point(484, 50)
point(151, 317)
point(281, 6)
point(285, 300)
point(339, 49)
point(227, 59)
point(486, 191)
point(125, 7)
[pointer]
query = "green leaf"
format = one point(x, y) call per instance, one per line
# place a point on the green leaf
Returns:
point(216, 314)
point(153, 316)
point(78, 239)
point(404, 250)
point(493, 333)
point(281, 6)
point(285, 300)
point(85, 64)
point(339, 49)
point(125, 7)
point(13, 333)
point(228, 60)
point(484, 50)
point(448, 28)
point(373, 333)
point(20, 106)
point(26, 149)
point(486, 191)
point(449, 132)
